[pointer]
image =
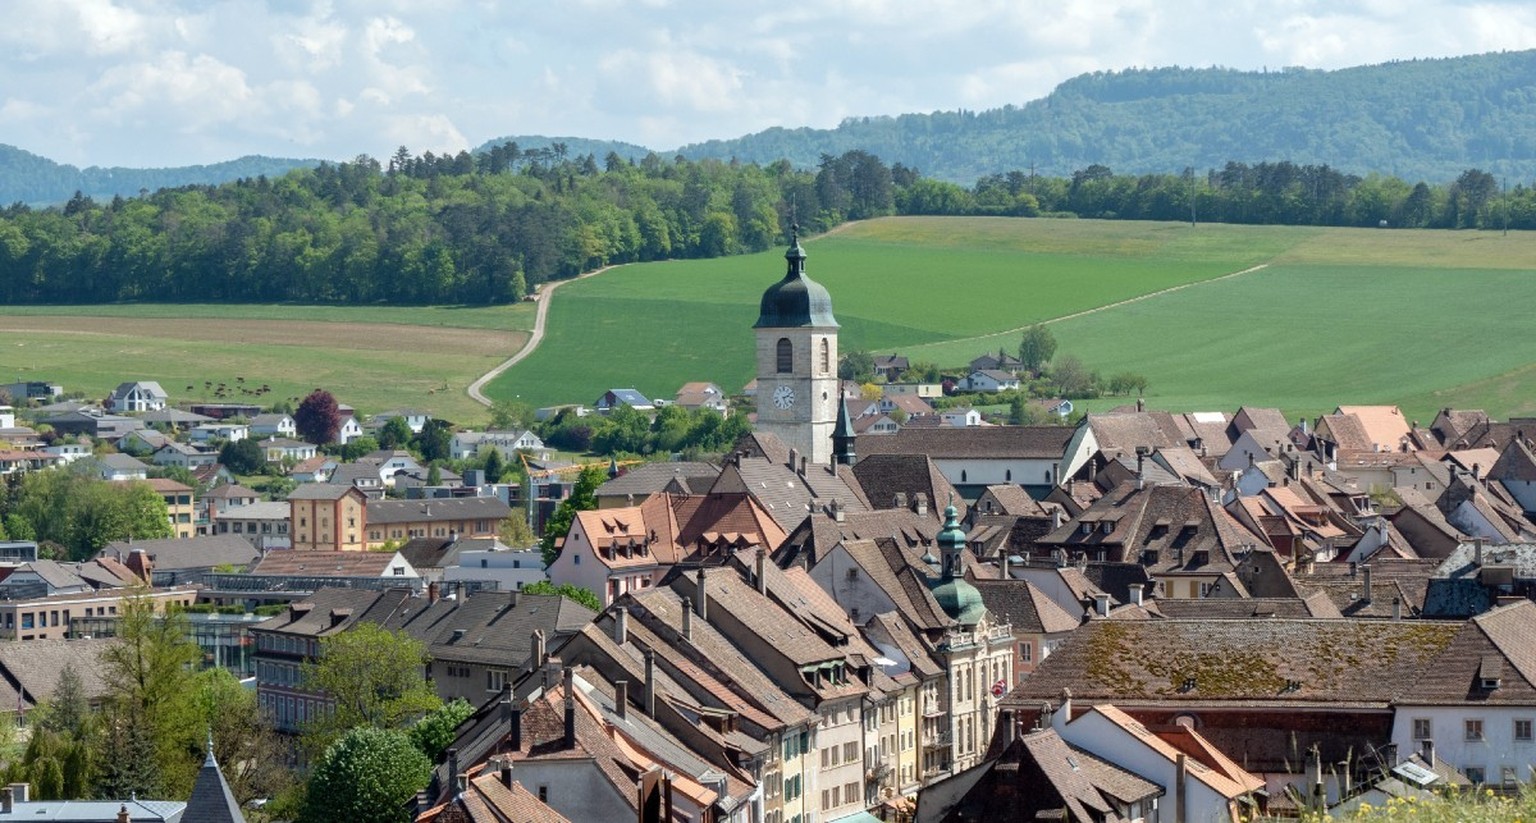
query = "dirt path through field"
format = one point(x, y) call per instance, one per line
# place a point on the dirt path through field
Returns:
point(1107, 306)
point(546, 293)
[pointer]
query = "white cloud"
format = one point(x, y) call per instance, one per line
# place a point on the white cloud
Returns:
point(156, 82)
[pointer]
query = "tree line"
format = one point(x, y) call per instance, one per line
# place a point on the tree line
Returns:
point(486, 228)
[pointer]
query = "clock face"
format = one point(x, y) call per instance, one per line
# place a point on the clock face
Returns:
point(784, 397)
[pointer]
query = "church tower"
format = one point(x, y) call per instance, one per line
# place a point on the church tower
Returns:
point(797, 385)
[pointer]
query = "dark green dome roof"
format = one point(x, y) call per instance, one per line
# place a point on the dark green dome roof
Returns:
point(797, 300)
point(957, 597)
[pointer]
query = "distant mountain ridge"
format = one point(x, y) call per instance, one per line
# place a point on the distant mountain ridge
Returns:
point(1416, 119)
point(28, 178)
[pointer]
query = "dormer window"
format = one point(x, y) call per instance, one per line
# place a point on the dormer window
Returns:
point(1490, 672)
point(1087, 528)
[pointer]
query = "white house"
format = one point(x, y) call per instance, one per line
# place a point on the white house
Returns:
point(139, 396)
point(469, 444)
point(974, 457)
point(183, 455)
point(350, 430)
point(65, 453)
point(1476, 706)
point(227, 432)
point(278, 449)
point(416, 420)
point(990, 380)
point(1211, 795)
point(120, 467)
point(510, 568)
point(960, 417)
point(274, 425)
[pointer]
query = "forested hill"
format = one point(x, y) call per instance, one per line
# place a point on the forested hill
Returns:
point(1418, 120)
point(561, 147)
point(28, 178)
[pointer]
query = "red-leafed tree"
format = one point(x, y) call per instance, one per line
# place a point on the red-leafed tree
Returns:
point(317, 418)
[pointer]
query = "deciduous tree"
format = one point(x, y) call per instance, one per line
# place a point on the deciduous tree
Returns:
point(366, 776)
point(375, 678)
point(1037, 347)
point(318, 417)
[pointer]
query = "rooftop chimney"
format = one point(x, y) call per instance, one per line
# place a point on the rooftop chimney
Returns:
point(506, 772)
point(621, 625)
point(540, 654)
point(453, 769)
point(621, 698)
point(1002, 562)
point(701, 603)
point(1397, 608)
point(1365, 572)
point(687, 618)
point(762, 570)
point(570, 708)
point(1135, 594)
point(1101, 604)
point(794, 459)
point(432, 593)
point(122, 814)
point(650, 683)
point(803, 462)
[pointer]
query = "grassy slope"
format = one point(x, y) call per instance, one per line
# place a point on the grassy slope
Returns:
point(1415, 318)
point(342, 349)
point(895, 283)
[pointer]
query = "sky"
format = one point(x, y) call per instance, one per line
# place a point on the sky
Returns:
point(154, 83)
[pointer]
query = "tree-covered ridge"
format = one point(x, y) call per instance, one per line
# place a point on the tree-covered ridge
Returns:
point(484, 229)
point(28, 178)
point(1420, 119)
point(458, 229)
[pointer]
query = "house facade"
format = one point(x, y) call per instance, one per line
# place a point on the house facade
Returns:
point(325, 517)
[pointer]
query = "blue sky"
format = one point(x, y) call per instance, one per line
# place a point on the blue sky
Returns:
point(176, 82)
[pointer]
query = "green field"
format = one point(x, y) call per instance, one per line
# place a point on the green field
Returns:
point(1423, 319)
point(374, 358)
point(1336, 316)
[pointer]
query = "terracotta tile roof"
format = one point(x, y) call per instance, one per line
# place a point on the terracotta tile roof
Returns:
point(997, 442)
point(1216, 780)
point(1276, 662)
point(1347, 432)
point(326, 564)
point(1384, 426)
point(1012, 499)
point(1257, 417)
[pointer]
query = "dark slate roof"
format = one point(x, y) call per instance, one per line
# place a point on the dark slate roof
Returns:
point(1258, 663)
point(203, 552)
point(996, 442)
point(496, 627)
point(1038, 777)
point(797, 300)
point(1024, 606)
point(383, 512)
point(884, 476)
point(648, 478)
point(1502, 636)
point(211, 800)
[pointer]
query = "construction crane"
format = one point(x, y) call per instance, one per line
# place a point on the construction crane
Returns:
point(531, 473)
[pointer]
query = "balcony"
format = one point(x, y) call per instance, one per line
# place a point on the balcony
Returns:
point(936, 740)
